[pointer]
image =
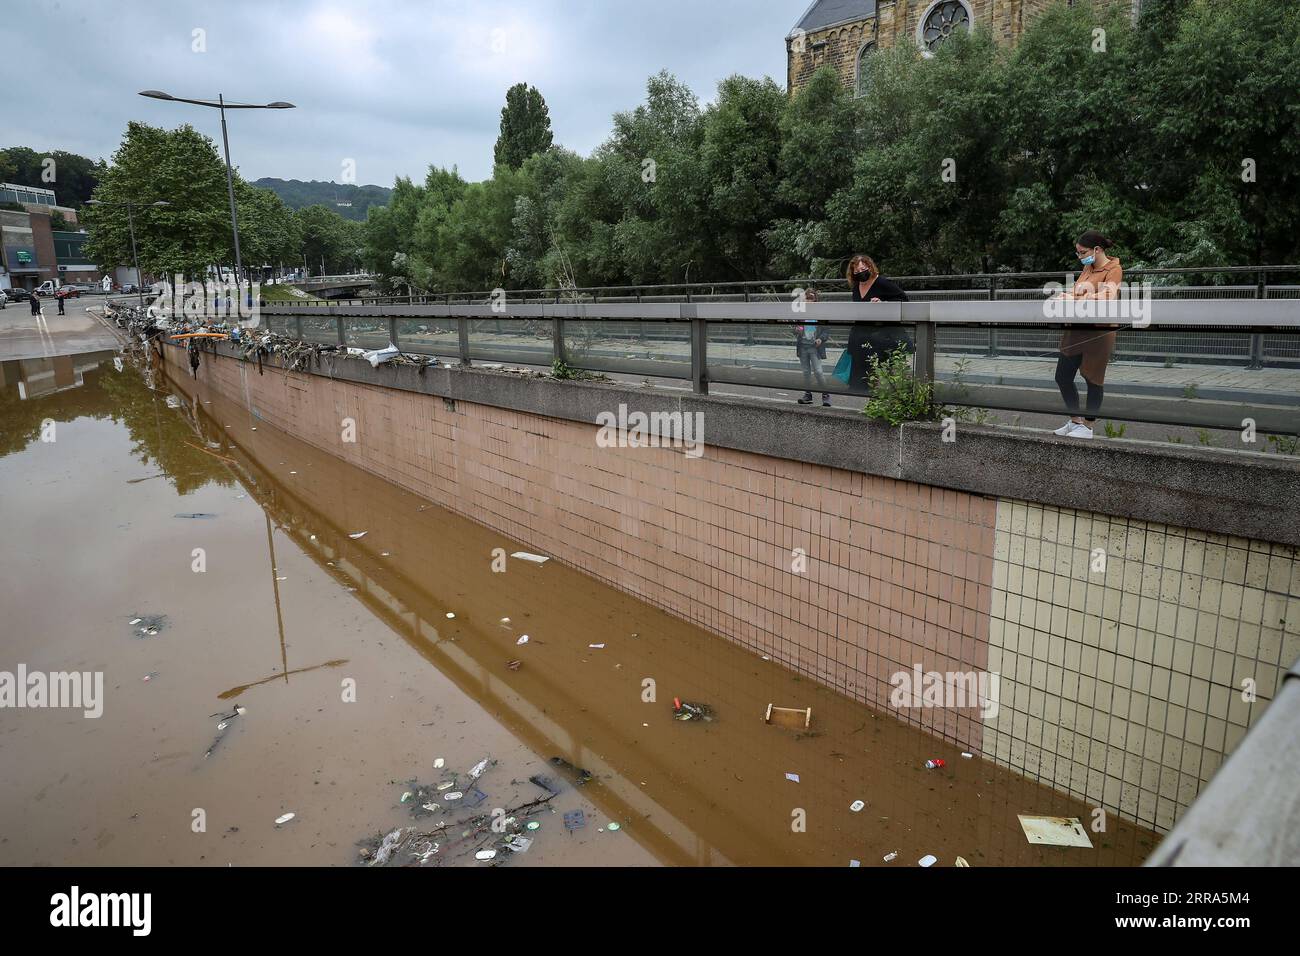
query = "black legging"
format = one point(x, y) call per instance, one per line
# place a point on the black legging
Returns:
point(1067, 366)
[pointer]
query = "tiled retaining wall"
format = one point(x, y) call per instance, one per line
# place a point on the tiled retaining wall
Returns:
point(1117, 687)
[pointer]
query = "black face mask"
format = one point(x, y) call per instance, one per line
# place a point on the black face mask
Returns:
point(862, 276)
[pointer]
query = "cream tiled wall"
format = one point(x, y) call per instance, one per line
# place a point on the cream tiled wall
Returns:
point(1127, 687)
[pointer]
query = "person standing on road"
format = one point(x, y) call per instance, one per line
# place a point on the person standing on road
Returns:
point(61, 299)
point(36, 304)
point(1088, 350)
point(810, 341)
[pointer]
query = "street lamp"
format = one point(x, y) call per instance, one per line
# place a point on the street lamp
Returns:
point(130, 221)
point(220, 104)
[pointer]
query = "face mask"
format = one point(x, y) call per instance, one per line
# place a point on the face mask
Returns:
point(862, 276)
point(1088, 260)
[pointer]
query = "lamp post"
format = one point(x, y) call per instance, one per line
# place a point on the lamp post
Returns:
point(130, 221)
point(220, 104)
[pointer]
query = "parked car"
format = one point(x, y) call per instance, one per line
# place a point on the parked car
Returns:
point(68, 292)
point(4, 299)
point(18, 295)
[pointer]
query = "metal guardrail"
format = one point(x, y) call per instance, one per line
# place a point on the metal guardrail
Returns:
point(326, 280)
point(723, 342)
point(988, 286)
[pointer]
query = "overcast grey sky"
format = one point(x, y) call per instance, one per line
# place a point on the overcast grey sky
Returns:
point(393, 85)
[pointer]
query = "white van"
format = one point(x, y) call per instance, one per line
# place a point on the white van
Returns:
point(48, 287)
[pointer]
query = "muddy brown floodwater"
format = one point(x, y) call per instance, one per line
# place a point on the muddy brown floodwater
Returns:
point(355, 677)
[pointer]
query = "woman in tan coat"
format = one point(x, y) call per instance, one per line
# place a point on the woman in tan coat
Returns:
point(1088, 350)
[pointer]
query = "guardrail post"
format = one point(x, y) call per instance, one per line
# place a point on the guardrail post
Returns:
point(699, 350)
point(462, 329)
point(297, 326)
point(343, 339)
point(557, 340)
point(925, 351)
point(392, 330)
point(993, 288)
point(1256, 350)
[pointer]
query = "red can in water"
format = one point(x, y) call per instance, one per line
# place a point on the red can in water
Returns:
point(935, 763)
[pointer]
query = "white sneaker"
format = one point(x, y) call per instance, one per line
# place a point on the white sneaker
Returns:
point(1079, 431)
point(1065, 429)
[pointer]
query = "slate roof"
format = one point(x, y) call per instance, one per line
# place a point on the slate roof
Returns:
point(825, 13)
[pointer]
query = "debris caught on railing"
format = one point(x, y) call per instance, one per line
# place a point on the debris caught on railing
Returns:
point(380, 356)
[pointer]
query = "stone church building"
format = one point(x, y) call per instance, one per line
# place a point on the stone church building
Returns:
point(843, 33)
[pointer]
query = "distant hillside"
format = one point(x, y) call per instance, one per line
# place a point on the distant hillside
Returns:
point(297, 194)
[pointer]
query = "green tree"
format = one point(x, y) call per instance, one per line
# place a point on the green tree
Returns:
point(180, 167)
point(525, 126)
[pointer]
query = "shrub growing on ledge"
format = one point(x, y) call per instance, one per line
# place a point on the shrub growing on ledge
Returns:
point(897, 395)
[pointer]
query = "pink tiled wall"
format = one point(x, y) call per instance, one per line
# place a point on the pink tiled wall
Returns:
point(897, 574)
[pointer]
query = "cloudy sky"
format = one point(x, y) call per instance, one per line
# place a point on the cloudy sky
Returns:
point(395, 86)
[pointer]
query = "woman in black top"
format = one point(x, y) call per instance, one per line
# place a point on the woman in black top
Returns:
point(867, 339)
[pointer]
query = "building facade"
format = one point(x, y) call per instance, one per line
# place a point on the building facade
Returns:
point(844, 33)
point(35, 199)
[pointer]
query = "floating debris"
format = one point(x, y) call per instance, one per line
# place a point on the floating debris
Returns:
point(439, 763)
point(574, 820)
point(614, 826)
point(148, 625)
point(685, 710)
point(546, 783)
point(359, 535)
point(514, 665)
point(960, 861)
point(525, 556)
point(522, 640)
point(935, 764)
point(793, 777)
point(485, 854)
point(196, 516)
point(928, 860)
point(856, 806)
point(150, 676)
point(1055, 831)
point(284, 818)
point(450, 616)
point(576, 775)
point(891, 857)
point(596, 647)
point(794, 718)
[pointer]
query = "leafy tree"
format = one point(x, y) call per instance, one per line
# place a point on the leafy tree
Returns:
point(180, 167)
point(525, 126)
point(328, 240)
